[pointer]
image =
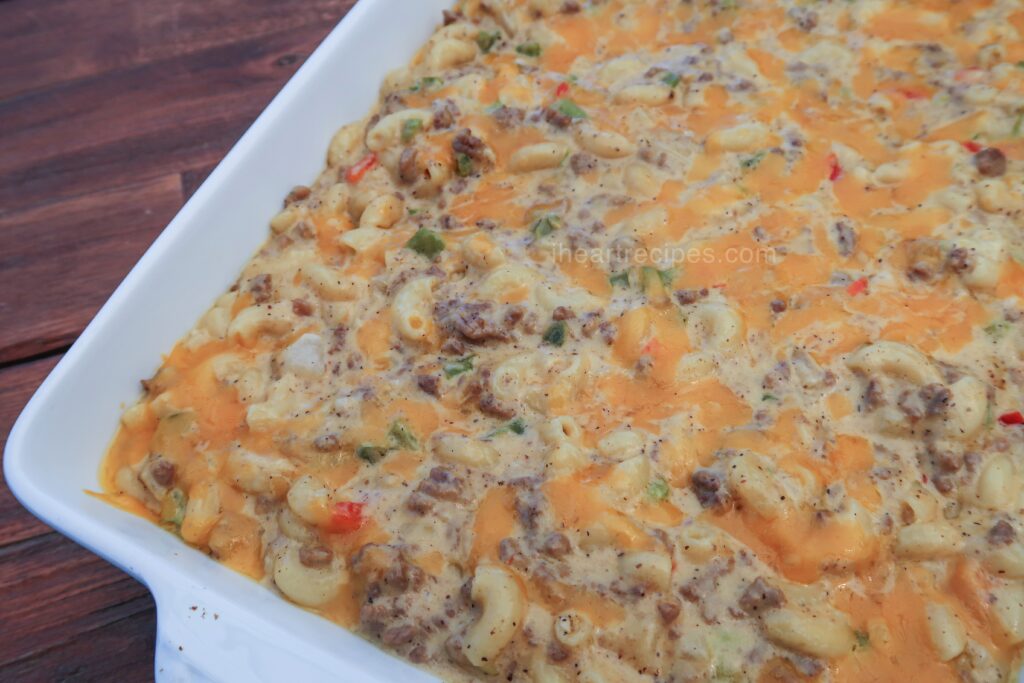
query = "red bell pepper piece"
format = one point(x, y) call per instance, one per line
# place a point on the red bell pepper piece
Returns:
point(912, 94)
point(971, 146)
point(562, 89)
point(834, 169)
point(1014, 417)
point(857, 286)
point(652, 347)
point(972, 74)
point(357, 170)
point(346, 517)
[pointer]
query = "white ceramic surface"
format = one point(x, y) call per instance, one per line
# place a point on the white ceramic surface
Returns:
point(238, 629)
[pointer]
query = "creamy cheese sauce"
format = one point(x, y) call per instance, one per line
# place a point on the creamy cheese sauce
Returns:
point(635, 341)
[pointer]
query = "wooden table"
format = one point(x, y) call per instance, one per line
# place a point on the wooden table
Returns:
point(111, 114)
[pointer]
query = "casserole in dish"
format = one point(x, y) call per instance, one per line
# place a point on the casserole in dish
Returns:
point(634, 341)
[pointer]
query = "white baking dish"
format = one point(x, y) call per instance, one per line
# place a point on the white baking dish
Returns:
point(212, 623)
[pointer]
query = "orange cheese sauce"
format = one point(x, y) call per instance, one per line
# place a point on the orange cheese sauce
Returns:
point(902, 613)
point(798, 546)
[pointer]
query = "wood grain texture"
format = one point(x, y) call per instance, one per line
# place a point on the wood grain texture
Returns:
point(122, 94)
point(60, 596)
point(104, 37)
point(61, 259)
point(112, 113)
point(151, 119)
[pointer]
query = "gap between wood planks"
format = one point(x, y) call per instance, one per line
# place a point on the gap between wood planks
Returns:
point(49, 353)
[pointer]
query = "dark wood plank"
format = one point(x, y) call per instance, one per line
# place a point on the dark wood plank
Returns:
point(121, 650)
point(58, 262)
point(142, 121)
point(17, 384)
point(96, 38)
point(56, 592)
point(190, 80)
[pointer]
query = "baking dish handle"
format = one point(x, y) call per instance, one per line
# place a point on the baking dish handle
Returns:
point(171, 666)
point(203, 636)
point(187, 632)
